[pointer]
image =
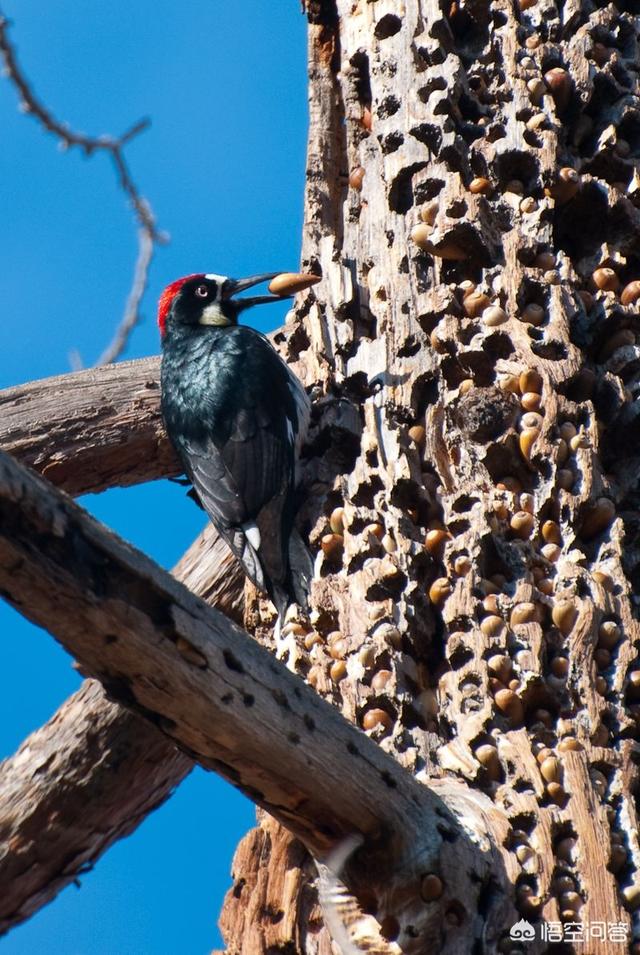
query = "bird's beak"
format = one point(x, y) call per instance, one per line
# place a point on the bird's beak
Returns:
point(232, 286)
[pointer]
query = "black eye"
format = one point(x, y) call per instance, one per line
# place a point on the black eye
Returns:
point(202, 291)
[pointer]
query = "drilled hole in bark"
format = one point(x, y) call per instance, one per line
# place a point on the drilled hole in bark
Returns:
point(360, 77)
point(518, 165)
point(552, 351)
point(578, 226)
point(430, 135)
point(391, 142)
point(401, 197)
point(387, 26)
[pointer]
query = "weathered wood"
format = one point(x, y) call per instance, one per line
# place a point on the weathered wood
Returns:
point(90, 430)
point(223, 699)
point(478, 589)
point(95, 770)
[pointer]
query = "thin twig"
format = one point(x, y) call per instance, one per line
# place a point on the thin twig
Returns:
point(148, 237)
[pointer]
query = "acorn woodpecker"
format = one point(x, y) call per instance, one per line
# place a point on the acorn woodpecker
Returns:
point(236, 416)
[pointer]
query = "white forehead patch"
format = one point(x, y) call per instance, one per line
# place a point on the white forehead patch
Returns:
point(216, 278)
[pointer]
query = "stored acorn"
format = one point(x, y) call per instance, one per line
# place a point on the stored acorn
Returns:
point(356, 178)
point(494, 315)
point(480, 186)
point(475, 303)
point(435, 541)
point(376, 718)
point(630, 293)
point(606, 280)
point(288, 283)
point(565, 187)
point(532, 313)
point(439, 590)
point(560, 85)
point(527, 439)
point(597, 517)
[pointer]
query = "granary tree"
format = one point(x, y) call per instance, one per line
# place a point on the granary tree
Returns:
point(470, 497)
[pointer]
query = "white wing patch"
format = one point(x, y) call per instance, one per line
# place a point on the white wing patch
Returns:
point(252, 533)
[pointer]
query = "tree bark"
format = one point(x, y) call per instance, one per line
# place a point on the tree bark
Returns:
point(95, 770)
point(470, 168)
point(92, 429)
point(196, 676)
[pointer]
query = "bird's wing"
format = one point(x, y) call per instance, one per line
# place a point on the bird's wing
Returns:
point(243, 486)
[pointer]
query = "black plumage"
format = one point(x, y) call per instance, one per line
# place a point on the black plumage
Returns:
point(236, 416)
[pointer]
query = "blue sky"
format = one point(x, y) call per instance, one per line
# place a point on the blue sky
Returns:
point(223, 167)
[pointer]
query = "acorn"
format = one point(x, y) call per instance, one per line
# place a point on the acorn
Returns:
point(493, 316)
point(531, 401)
point(288, 283)
point(559, 84)
point(480, 186)
point(417, 434)
point(545, 261)
point(439, 590)
point(429, 213)
point(528, 204)
point(527, 439)
point(606, 280)
point(551, 532)
point(487, 756)
point(338, 670)
point(475, 303)
point(597, 518)
point(609, 634)
point(366, 119)
point(336, 520)
point(356, 178)
point(376, 717)
point(530, 380)
point(380, 680)
point(462, 565)
point(550, 769)
point(493, 626)
point(565, 187)
point(532, 313)
point(525, 612)
point(536, 89)
point(522, 524)
point(332, 545)
point(564, 615)
point(510, 704)
point(431, 887)
point(435, 541)
point(509, 384)
point(630, 293)
point(551, 552)
point(421, 236)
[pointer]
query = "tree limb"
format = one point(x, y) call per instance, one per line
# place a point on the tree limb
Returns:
point(95, 770)
point(222, 698)
point(90, 430)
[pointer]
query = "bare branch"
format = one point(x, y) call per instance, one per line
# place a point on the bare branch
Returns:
point(149, 235)
point(222, 698)
point(132, 310)
point(95, 770)
point(93, 429)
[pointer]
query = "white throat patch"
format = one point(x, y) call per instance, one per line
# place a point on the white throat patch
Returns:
point(212, 315)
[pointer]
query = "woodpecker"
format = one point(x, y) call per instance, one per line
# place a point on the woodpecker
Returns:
point(236, 416)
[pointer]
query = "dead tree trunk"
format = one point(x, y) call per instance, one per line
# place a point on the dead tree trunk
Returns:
point(472, 191)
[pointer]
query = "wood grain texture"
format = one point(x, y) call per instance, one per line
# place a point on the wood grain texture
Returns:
point(95, 770)
point(92, 429)
point(222, 698)
point(444, 118)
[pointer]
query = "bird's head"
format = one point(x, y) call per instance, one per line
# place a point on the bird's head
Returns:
point(208, 299)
